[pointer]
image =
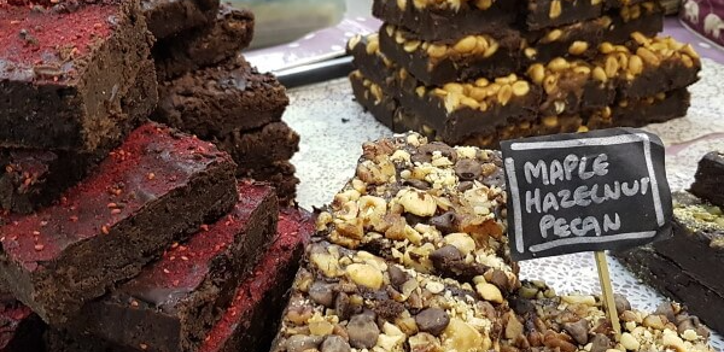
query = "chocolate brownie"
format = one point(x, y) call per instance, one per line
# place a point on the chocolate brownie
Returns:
point(710, 178)
point(218, 100)
point(279, 174)
point(541, 14)
point(34, 178)
point(257, 148)
point(464, 58)
point(346, 300)
point(447, 19)
point(646, 18)
point(578, 40)
point(171, 304)
point(640, 112)
point(231, 32)
point(64, 91)
point(170, 17)
point(250, 321)
point(383, 106)
point(99, 233)
point(21, 330)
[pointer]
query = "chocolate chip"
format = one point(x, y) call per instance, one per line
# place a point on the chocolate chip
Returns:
point(363, 332)
point(686, 325)
point(465, 185)
point(322, 293)
point(342, 306)
point(496, 178)
point(413, 219)
point(334, 343)
point(499, 279)
point(467, 169)
point(666, 310)
point(301, 343)
point(397, 276)
point(445, 223)
point(432, 320)
point(424, 152)
point(600, 343)
point(419, 184)
point(622, 304)
point(442, 257)
point(578, 330)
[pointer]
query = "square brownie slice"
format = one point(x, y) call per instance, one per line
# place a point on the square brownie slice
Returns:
point(32, 178)
point(167, 18)
point(172, 303)
point(64, 70)
point(106, 228)
point(218, 100)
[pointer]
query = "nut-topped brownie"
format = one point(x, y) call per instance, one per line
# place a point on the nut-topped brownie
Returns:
point(34, 178)
point(429, 206)
point(250, 322)
point(345, 300)
point(646, 18)
point(171, 304)
point(553, 13)
point(216, 101)
point(100, 231)
point(578, 40)
point(710, 178)
point(232, 31)
point(167, 18)
point(65, 68)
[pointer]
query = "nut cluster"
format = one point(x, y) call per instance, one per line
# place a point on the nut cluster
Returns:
point(560, 76)
point(479, 46)
point(482, 94)
point(633, 12)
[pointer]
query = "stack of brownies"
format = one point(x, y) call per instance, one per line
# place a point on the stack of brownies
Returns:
point(207, 89)
point(477, 72)
point(412, 256)
point(687, 268)
point(118, 234)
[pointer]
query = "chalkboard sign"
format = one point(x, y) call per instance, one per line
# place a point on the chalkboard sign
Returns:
point(580, 192)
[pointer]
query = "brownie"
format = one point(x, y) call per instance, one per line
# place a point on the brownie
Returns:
point(64, 91)
point(216, 101)
point(710, 178)
point(231, 32)
point(464, 58)
point(34, 178)
point(379, 305)
point(608, 4)
point(250, 321)
point(258, 148)
point(447, 19)
point(577, 322)
point(21, 330)
point(541, 14)
point(279, 174)
point(646, 18)
point(170, 17)
point(383, 106)
point(640, 112)
point(171, 304)
point(99, 233)
point(578, 40)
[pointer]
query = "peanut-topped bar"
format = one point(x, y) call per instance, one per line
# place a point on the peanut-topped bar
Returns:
point(347, 300)
point(578, 40)
point(544, 321)
point(426, 205)
point(553, 13)
point(64, 70)
point(646, 18)
point(440, 62)
point(433, 20)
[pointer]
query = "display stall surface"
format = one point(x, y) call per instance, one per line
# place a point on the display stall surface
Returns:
point(332, 128)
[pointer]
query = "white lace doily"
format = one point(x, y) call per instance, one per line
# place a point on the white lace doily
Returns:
point(333, 128)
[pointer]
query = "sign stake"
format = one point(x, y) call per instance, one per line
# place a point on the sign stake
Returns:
point(607, 289)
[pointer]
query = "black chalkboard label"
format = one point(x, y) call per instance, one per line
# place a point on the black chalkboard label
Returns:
point(581, 192)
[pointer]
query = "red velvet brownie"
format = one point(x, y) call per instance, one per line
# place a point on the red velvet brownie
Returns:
point(167, 18)
point(64, 71)
point(258, 148)
point(231, 32)
point(251, 319)
point(117, 220)
point(171, 304)
point(33, 178)
point(20, 329)
point(219, 100)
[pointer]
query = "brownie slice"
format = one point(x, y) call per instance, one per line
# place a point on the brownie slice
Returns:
point(553, 13)
point(640, 112)
point(170, 305)
point(34, 178)
point(169, 17)
point(258, 148)
point(21, 330)
point(578, 40)
point(249, 323)
point(279, 174)
point(65, 70)
point(646, 18)
point(117, 220)
point(231, 32)
point(710, 178)
point(219, 100)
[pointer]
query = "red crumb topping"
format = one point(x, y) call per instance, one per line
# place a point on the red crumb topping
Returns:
point(184, 267)
point(84, 211)
point(12, 313)
point(43, 40)
point(294, 229)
